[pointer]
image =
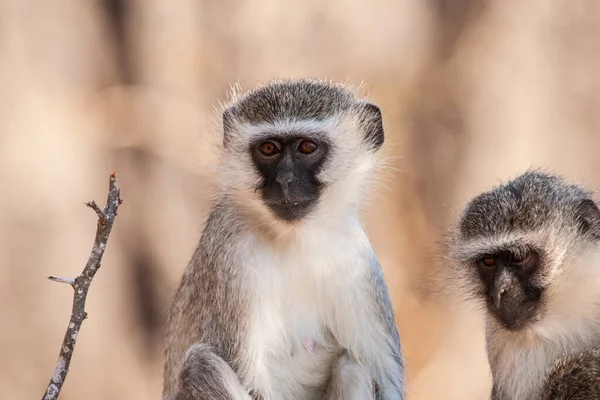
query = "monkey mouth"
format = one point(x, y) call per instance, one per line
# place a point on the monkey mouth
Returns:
point(291, 210)
point(513, 325)
point(516, 318)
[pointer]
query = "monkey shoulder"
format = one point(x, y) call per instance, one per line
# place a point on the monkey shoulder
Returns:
point(574, 377)
point(214, 266)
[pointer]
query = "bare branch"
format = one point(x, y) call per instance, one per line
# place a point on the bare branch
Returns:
point(81, 285)
point(62, 280)
point(92, 204)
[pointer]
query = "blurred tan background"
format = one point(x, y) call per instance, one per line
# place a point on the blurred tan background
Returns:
point(473, 92)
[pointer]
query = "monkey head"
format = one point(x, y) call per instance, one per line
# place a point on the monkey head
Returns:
point(291, 146)
point(517, 247)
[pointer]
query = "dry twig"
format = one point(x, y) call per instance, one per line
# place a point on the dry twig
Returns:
point(81, 285)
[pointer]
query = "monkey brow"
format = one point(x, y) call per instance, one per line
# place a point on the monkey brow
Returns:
point(513, 244)
point(284, 134)
point(285, 126)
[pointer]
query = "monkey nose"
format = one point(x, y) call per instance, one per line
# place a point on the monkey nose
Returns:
point(284, 178)
point(503, 281)
point(498, 297)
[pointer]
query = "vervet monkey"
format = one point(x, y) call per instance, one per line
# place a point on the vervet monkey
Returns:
point(529, 252)
point(284, 297)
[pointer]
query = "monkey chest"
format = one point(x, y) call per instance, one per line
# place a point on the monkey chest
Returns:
point(519, 371)
point(289, 353)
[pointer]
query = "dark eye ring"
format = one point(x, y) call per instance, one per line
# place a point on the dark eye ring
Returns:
point(269, 148)
point(307, 147)
point(487, 261)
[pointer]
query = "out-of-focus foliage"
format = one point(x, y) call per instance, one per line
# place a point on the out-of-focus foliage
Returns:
point(473, 91)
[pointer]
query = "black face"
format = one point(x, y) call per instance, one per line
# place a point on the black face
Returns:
point(511, 295)
point(289, 167)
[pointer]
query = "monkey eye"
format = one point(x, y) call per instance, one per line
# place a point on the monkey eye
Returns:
point(307, 147)
point(269, 148)
point(487, 261)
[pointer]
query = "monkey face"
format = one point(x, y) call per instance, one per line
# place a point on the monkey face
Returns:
point(295, 149)
point(289, 166)
point(509, 282)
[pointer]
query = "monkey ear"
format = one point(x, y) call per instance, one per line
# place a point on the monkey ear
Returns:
point(227, 125)
point(372, 122)
point(588, 216)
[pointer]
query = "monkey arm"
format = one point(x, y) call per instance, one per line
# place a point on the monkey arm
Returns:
point(349, 380)
point(206, 320)
point(574, 377)
point(391, 380)
point(495, 393)
point(198, 350)
point(206, 376)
